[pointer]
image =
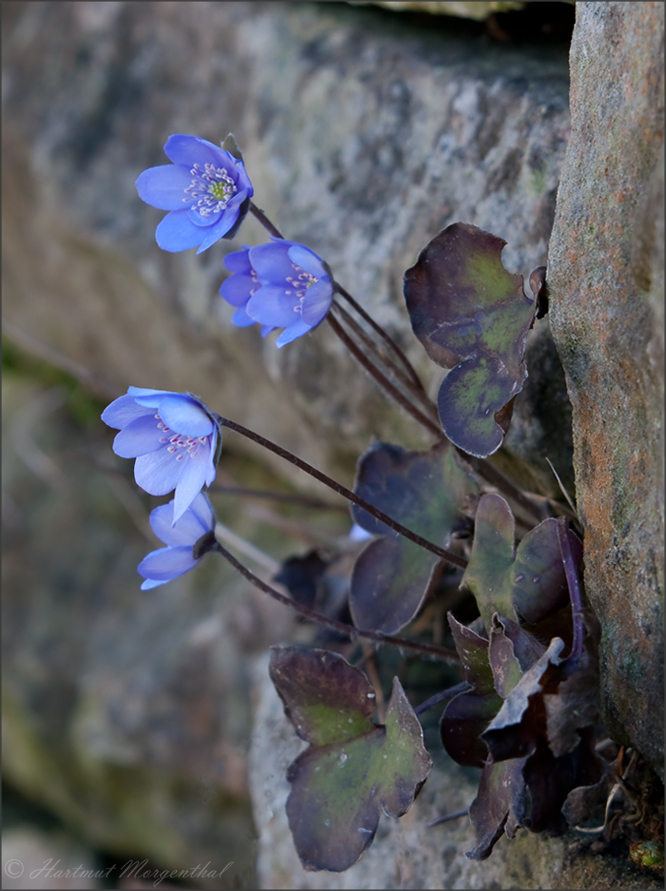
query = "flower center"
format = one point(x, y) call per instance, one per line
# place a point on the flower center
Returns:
point(179, 445)
point(300, 284)
point(255, 280)
point(210, 191)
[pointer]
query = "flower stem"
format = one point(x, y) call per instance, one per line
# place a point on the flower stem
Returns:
point(454, 815)
point(342, 490)
point(283, 497)
point(265, 222)
point(381, 378)
point(383, 334)
point(406, 379)
point(442, 653)
point(449, 693)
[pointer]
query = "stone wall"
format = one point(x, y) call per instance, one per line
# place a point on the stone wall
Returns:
point(129, 715)
point(363, 137)
point(606, 272)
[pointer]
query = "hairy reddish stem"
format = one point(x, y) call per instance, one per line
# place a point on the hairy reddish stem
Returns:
point(344, 491)
point(442, 653)
point(381, 378)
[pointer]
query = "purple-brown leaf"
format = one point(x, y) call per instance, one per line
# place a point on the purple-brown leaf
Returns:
point(472, 316)
point(528, 581)
point(430, 493)
point(353, 768)
point(468, 714)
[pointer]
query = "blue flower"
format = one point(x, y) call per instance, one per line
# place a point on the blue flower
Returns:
point(281, 284)
point(206, 190)
point(173, 438)
point(239, 287)
point(165, 564)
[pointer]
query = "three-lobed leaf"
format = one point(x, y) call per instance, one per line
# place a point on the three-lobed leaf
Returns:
point(428, 492)
point(528, 581)
point(472, 316)
point(353, 768)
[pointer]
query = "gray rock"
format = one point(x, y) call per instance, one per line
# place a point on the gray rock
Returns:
point(478, 11)
point(33, 858)
point(363, 138)
point(605, 269)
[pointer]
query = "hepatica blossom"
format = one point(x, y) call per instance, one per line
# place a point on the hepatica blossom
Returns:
point(281, 284)
point(165, 564)
point(173, 438)
point(206, 191)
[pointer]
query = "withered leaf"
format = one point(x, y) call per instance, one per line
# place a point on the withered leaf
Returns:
point(499, 806)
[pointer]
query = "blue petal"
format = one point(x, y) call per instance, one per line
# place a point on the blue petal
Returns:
point(307, 260)
point(266, 330)
point(203, 511)
point(212, 448)
point(271, 262)
point(238, 261)
point(150, 583)
point(237, 289)
point(140, 437)
point(358, 533)
point(184, 415)
point(121, 411)
point(298, 329)
point(161, 522)
point(243, 180)
point(317, 302)
point(167, 564)
point(194, 523)
point(164, 187)
point(195, 472)
point(141, 394)
point(238, 198)
point(151, 398)
point(190, 150)
point(203, 221)
point(220, 229)
point(241, 319)
point(158, 472)
point(270, 305)
point(177, 233)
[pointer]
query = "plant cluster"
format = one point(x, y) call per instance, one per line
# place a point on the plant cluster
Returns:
point(525, 709)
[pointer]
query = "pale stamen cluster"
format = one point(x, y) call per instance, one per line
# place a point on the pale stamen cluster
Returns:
point(212, 189)
point(304, 281)
point(179, 441)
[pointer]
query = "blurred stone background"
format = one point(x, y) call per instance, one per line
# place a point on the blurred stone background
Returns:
point(128, 715)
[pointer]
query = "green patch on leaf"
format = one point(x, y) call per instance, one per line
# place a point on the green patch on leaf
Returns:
point(469, 713)
point(488, 574)
point(505, 666)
